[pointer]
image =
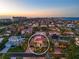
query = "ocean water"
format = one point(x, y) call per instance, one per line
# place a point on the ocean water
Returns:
point(71, 18)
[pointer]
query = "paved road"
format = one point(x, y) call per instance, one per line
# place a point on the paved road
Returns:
point(13, 58)
point(28, 51)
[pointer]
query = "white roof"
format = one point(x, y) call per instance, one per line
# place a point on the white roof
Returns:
point(15, 38)
point(1, 40)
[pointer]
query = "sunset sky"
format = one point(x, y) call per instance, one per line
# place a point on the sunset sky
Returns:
point(39, 8)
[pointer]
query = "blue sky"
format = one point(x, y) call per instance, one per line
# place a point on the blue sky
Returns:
point(39, 7)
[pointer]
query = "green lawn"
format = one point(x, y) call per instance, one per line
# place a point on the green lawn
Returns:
point(72, 52)
point(16, 49)
point(1, 55)
point(6, 56)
